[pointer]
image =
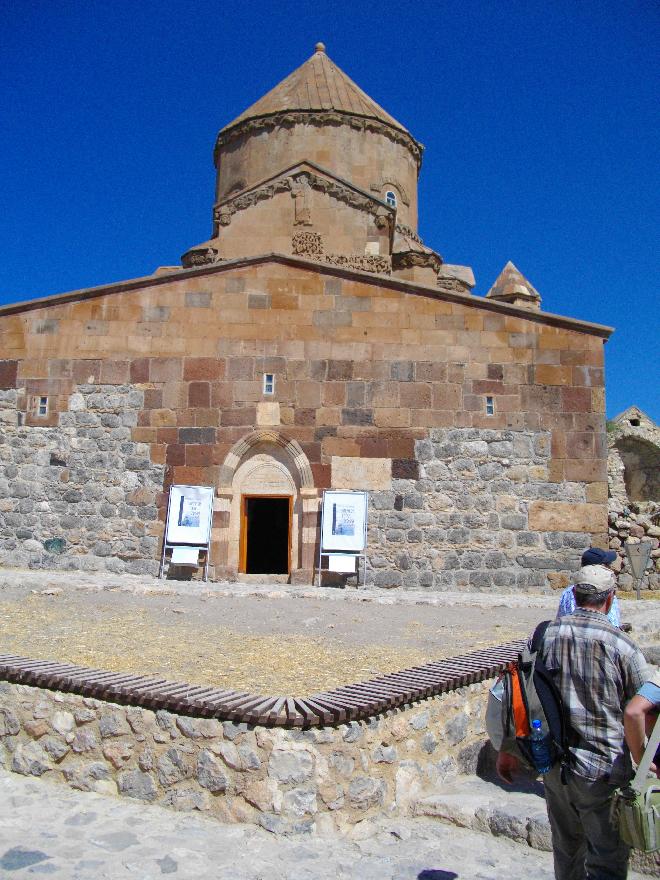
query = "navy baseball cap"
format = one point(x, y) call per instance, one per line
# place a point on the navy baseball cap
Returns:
point(597, 556)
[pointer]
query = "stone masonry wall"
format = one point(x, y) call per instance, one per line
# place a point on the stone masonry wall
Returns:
point(366, 373)
point(478, 511)
point(81, 494)
point(285, 780)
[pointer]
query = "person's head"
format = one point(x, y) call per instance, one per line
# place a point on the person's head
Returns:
point(598, 556)
point(594, 588)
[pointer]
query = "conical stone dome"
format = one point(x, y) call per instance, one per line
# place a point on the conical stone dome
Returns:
point(318, 84)
point(318, 114)
point(512, 287)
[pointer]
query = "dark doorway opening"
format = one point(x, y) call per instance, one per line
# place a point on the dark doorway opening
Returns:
point(266, 533)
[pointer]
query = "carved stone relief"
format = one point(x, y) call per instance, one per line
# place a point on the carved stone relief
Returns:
point(408, 233)
point(299, 186)
point(309, 245)
point(222, 216)
point(364, 262)
point(301, 194)
point(203, 256)
point(408, 259)
point(306, 244)
point(383, 219)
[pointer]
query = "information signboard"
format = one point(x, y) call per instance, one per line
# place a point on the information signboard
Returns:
point(188, 528)
point(189, 515)
point(344, 532)
point(344, 521)
point(638, 557)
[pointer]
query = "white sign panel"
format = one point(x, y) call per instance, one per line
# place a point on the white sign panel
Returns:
point(189, 515)
point(185, 556)
point(342, 563)
point(344, 520)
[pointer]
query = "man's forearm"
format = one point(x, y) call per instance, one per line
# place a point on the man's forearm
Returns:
point(633, 723)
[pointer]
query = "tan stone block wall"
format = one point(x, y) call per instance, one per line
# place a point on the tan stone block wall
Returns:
point(365, 474)
point(302, 320)
point(558, 516)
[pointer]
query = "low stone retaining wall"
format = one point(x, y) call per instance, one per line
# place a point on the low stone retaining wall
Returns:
point(326, 777)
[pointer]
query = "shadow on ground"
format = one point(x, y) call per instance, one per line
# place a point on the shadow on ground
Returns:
point(524, 782)
point(433, 874)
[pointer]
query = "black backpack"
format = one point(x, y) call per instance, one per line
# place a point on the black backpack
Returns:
point(530, 692)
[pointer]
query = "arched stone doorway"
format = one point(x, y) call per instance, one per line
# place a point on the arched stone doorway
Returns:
point(268, 508)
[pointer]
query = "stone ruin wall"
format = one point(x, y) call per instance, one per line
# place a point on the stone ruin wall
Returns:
point(286, 780)
point(633, 468)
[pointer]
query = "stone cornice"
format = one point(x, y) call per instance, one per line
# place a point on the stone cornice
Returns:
point(302, 166)
point(383, 281)
point(287, 119)
point(407, 232)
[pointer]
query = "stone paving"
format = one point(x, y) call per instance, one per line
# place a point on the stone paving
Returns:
point(516, 812)
point(46, 830)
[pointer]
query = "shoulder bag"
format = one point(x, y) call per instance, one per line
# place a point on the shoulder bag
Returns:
point(636, 808)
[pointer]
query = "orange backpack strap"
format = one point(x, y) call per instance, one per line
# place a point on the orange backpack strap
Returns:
point(520, 716)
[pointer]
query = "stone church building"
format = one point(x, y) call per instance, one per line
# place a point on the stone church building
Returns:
point(313, 342)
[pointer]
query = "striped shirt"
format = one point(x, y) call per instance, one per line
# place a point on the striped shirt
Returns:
point(597, 669)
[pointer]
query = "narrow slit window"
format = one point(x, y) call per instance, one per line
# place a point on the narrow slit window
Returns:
point(490, 406)
point(269, 383)
point(42, 406)
point(390, 198)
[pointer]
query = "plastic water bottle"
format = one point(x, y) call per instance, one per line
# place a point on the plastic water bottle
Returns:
point(540, 748)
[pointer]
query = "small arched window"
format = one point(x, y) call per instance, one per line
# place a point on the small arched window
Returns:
point(390, 198)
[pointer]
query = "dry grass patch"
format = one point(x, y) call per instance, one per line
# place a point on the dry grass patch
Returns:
point(51, 628)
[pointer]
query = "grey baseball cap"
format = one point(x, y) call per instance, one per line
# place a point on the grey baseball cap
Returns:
point(594, 579)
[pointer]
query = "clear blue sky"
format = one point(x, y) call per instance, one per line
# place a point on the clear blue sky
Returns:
point(540, 121)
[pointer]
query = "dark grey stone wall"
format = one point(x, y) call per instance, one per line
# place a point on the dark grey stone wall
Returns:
point(81, 495)
point(464, 522)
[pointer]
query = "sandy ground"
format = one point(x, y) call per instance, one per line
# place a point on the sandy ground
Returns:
point(266, 639)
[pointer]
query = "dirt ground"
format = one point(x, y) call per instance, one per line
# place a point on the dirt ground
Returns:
point(270, 643)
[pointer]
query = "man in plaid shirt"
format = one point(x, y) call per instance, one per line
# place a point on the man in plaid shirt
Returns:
point(597, 669)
